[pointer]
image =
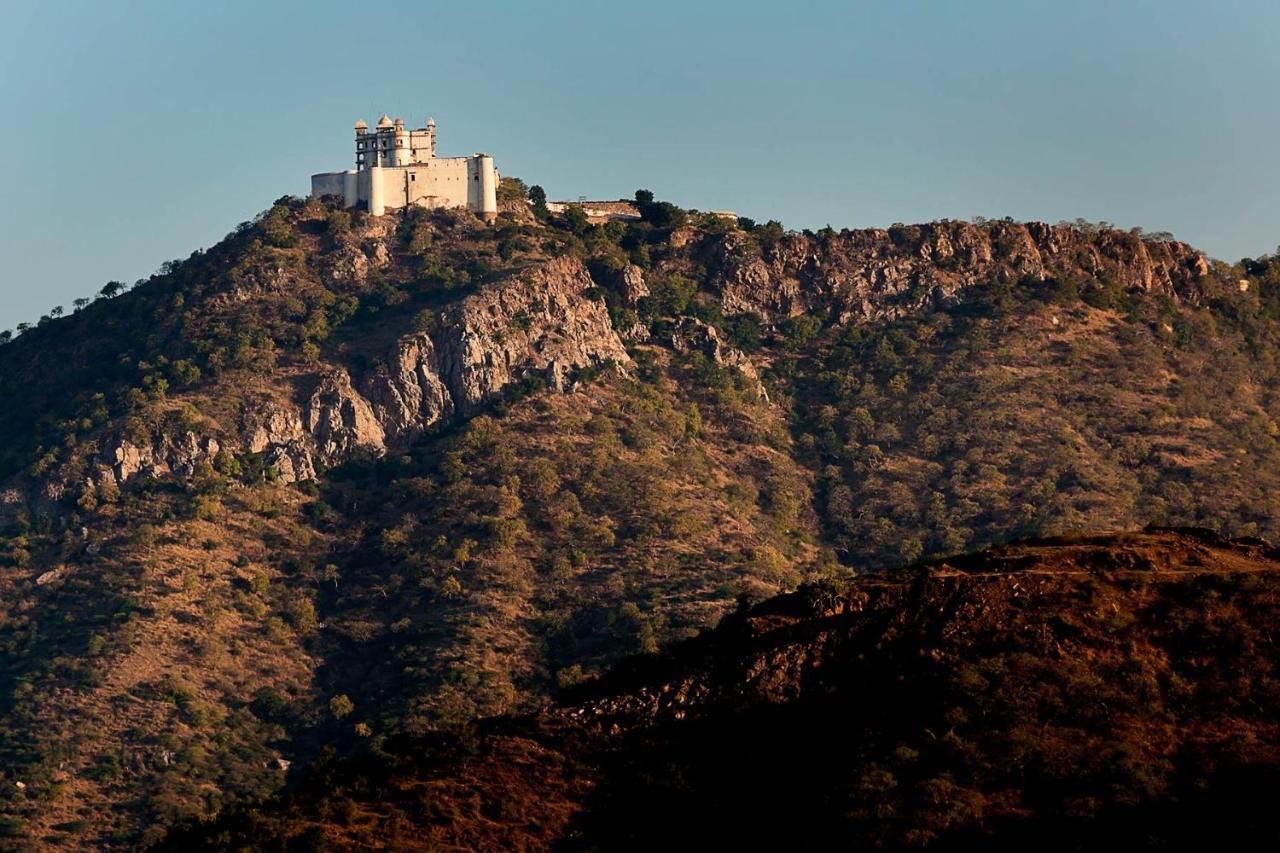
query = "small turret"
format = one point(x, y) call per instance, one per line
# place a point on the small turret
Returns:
point(431, 136)
point(385, 122)
point(361, 127)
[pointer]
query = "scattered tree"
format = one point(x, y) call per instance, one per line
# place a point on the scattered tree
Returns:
point(341, 705)
point(575, 219)
point(538, 198)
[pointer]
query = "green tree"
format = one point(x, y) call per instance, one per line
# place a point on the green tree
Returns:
point(512, 189)
point(575, 219)
point(769, 233)
point(538, 198)
point(663, 214)
point(670, 296)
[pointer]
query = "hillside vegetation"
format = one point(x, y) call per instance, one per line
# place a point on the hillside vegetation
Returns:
point(341, 480)
point(1065, 694)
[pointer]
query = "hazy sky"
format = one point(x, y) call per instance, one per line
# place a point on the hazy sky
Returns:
point(140, 131)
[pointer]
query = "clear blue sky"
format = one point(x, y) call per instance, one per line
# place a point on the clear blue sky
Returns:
point(140, 131)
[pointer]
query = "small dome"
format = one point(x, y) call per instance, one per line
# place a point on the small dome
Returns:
point(399, 122)
point(360, 125)
point(385, 121)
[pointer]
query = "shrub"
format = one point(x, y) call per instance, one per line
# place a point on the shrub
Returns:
point(340, 706)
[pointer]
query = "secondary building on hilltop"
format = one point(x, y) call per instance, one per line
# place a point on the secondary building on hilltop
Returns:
point(397, 167)
point(600, 211)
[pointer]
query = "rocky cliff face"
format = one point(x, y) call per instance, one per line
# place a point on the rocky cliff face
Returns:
point(542, 320)
point(878, 273)
point(340, 421)
point(410, 395)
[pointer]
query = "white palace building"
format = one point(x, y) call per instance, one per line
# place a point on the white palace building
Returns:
point(397, 167)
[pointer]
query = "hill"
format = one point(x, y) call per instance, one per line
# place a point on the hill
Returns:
point(339, 480)
point(1066, 694)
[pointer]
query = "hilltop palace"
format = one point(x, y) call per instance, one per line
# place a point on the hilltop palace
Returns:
point(397, 167)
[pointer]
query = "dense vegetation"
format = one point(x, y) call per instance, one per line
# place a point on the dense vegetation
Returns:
point(1040, 408)
point(528, 549)
point(167, 648)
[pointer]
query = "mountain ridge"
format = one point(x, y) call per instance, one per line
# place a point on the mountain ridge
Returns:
point(879, 275)
point(386, 476)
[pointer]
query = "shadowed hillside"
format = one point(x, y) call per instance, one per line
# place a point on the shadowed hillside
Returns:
point(1063, 694)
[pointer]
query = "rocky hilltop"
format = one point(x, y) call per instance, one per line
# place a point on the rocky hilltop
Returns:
point(877, 274)
point(340, 481)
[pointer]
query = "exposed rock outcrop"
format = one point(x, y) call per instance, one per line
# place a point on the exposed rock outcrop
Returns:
point(878, 273)
point(276, 430)
point(539, 316)
point(270, 424)
point(409, 396)
point(633, 285)
point(122, 459)
point(341, 420)
point(291, 461)
point(352, 259)
point(540, 321)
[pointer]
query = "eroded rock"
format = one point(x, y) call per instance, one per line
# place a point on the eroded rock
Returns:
point(178, 455)
point(633, 285)
point(522, 324)
point(878, 274)
point(341, 421)
point(409, 396)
